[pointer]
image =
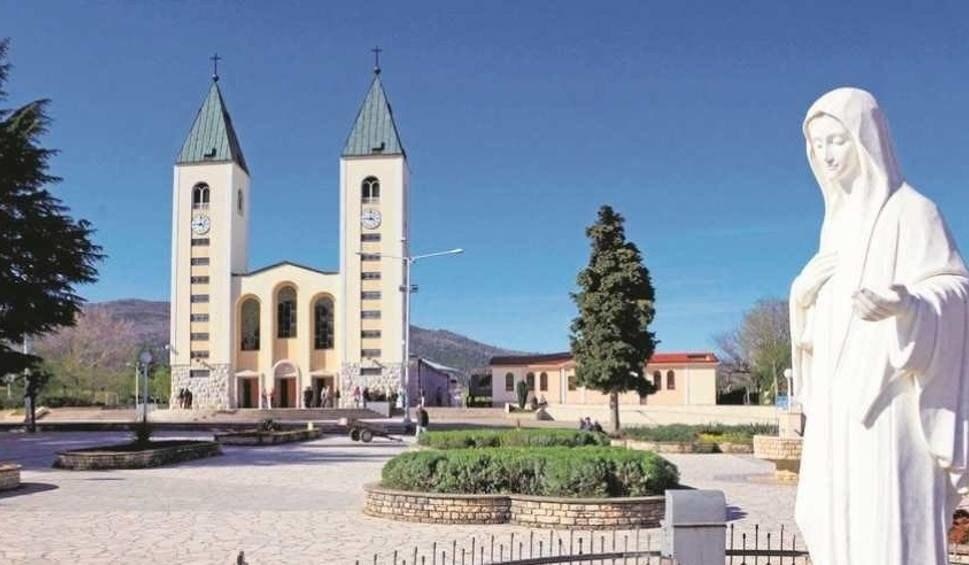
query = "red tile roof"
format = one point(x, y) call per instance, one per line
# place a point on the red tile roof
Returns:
point(684, 358)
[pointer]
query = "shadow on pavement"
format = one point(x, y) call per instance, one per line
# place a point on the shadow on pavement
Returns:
point(27, 488)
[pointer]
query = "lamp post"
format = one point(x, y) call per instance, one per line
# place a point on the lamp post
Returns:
point(789, 376)
point(407, 289)
point(144, 360)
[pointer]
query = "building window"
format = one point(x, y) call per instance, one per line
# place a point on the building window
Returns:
point(370, 257)
point(370, 371)
point(370, 295)
point(199, 373)
point(199, 318)
point(249, 316)
point(286, 312)
point(370, 276)
point(200, 336)
point(370, 237)
point(200, 196)
point(370, 314)
point(530, 381)
point(200, 260)
point(370, 190)
point(200, 241)
point(657, 380)
point(509, 382)
point(239, 201)
point(573, 382)
point(670, 380)
point(543, 382)
point(370, 333)
point(323, 326)
point(200, 355)
point(370, 353)
point(200, 298)
point(200, 280)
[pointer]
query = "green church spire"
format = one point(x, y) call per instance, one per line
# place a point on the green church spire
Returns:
point(374, 131)
point(212, 138)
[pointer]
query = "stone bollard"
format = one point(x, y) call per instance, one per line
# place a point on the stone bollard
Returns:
point(694, 529)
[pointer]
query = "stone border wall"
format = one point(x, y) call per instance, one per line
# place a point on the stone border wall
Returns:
point(93, 460)
point(682, 447)
point(253, 437)
point(9, 476)
point(531, 511)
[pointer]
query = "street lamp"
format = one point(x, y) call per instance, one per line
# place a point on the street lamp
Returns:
point(144, 360)
point(407, 289)
point(789, 376)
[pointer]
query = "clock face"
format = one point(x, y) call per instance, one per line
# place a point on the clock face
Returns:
point(201, 224)
point(370, 219)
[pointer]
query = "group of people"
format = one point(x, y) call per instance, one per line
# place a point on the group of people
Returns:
point(588, 425)
point(184, 398)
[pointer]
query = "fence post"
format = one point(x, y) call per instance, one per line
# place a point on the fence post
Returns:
point(694, 528)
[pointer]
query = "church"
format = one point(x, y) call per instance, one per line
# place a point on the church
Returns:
point(254, 338)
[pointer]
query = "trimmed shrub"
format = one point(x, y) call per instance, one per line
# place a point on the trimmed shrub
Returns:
point(463, 439)
point(708, 433)
point(547, 471)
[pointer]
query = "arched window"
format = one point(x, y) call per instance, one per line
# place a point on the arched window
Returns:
point(370, 190)
point(239, 201)
point(323, 324)
point(249, 313)
point(200, 196)
point(670, 380)
point(509, 382)
point(543, 382)
point(657, 380)
point(286, 312)
point(530, 380)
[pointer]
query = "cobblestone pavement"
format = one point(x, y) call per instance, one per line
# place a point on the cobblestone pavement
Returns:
point(296, 503)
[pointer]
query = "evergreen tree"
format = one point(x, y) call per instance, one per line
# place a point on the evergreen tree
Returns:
point(44, 252)
point(610, 339)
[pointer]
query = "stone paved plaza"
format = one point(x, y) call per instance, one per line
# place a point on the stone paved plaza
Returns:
point(296, 503)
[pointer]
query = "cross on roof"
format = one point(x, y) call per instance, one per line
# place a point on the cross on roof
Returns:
point(215, 66)
point(376, 59)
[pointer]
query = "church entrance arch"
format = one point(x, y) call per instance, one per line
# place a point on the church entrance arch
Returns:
point(285, 377)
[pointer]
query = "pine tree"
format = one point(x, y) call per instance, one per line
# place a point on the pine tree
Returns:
point(610, 339)
point(44, 252)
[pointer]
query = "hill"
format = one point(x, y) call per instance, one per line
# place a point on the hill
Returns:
point(151, 320)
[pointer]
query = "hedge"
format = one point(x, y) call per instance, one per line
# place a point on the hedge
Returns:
point(708, 433)
point(463, 439)
point(543, 471)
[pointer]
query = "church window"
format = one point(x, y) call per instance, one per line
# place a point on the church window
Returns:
point(670, 380)
point(286, 312)
point(370, 257)
point(200, 241)
point(200, 355)
point(370, 295)
point(200, 280)
point(200, 336)
point(200, 196)
point(509, 382)
point(200, 260)
point(323, 317)
point(370, 314)
point(370, 276)
point(200, 298)
point(657, 380)
point(199, 373)
point(370, 353)
point(530, 381)
point(370, 371)
point(543, 382)
point(370, 333)
point(250, 325)
point(370, 190)
point(239, 201)
point(199, 318)
point(370, 237)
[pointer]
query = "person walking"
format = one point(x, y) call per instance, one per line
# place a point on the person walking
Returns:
point(422, 420)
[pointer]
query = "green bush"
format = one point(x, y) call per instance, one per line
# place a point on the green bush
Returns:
point(462, 439)
point(709, 433)
point(545, 471)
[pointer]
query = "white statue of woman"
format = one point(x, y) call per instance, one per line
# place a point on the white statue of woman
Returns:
point(879, 331)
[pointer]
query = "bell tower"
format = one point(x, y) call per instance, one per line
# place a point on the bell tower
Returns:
point(373, 233)
point(210, 236)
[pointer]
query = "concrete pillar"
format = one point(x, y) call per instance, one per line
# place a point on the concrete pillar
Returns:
point(694, 529)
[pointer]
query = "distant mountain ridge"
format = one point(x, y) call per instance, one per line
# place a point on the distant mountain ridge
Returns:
point(151, 319)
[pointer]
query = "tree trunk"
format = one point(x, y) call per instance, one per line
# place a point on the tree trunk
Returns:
point(613, 413)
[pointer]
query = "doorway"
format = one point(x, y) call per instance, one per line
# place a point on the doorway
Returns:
point(248, 392)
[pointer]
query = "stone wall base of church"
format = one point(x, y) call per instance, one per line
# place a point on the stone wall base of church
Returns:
point(212, 392)
point(388, 381)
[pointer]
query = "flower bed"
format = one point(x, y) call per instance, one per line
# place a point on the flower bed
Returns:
point(272, 437)
point(682, 438)
point(135, 455)
point(9, 476)
point(463, 439)
point(542, 471)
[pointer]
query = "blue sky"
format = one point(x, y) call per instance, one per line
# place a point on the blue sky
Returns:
point(520, 120)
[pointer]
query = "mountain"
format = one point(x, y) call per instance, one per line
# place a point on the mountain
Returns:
point(440, 346)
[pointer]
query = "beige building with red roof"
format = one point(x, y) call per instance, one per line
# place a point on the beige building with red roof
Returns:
point(680, 379)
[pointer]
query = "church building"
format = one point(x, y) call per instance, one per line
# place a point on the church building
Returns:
point(244, 337)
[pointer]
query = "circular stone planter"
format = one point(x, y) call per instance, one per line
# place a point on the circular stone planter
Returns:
point(783, 452)
point(9, 476)
point(256, 437)
point(127, 456)
point(531, 511)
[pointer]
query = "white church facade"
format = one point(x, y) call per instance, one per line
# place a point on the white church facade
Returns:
point(248, 338)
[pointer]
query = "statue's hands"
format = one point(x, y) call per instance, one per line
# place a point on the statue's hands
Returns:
point(817, 272)
point(873, 306)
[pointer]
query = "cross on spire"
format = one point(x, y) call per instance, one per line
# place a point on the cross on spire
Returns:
point(376, 59)
point(215, 66)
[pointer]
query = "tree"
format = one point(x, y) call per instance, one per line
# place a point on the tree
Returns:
point(610, 338)
point(44, 252)
point(759, 349)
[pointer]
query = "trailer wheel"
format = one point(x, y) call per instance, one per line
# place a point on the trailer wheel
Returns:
point(355, 434)
point(366, 436)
